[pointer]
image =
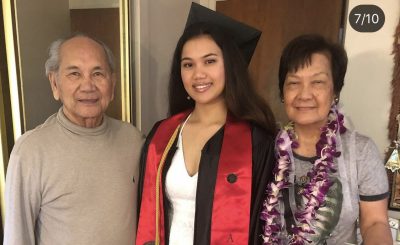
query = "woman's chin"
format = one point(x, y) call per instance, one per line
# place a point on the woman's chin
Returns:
point(308, 122)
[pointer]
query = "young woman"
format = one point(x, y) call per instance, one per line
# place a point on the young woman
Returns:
point(204, 169)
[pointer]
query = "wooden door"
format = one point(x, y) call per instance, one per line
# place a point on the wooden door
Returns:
point(102, 23)
point(280, 21)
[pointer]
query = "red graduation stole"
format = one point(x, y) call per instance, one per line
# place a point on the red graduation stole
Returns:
point(232, 196)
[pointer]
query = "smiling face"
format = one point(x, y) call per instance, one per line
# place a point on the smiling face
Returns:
point(308, 93)
point(202, 70)
point(84, 82)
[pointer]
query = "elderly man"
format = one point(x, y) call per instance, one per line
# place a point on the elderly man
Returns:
point(73, 179)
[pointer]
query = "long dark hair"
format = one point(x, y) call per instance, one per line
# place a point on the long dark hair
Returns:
point(240, 98)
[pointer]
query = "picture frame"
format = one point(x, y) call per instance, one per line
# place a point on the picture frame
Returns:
point(394, 181)
point(393, 125)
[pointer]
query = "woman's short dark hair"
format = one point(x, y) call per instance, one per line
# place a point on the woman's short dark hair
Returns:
point(298, 52)
point(240, 98)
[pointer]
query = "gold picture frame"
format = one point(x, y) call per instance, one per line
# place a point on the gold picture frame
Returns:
point(393, 126)
point(394, 202)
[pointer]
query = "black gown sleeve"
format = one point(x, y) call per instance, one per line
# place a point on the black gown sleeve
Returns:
point(263, 164)
point(142, 166)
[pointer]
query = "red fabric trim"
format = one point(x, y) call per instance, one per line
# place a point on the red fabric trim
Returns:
point(147, 221)
point(231, 207)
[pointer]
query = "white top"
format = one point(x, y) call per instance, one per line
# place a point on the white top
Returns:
point(181, 192)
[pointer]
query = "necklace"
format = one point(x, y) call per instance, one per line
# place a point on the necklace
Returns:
point(314, 192)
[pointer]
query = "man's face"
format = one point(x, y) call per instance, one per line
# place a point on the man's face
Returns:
point(84, 82)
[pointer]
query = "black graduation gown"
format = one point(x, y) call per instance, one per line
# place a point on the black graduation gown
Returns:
point(263, 163)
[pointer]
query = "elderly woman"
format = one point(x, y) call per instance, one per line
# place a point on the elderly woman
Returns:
point(327, 177)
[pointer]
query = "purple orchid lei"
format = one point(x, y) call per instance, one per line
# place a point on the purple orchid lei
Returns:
point(314, 192)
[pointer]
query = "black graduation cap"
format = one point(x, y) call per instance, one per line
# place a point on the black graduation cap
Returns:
point(246, 37)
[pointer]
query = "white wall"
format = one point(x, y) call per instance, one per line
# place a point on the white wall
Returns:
point(161, 24)
point(40, 22)
point(89, 4)
point(366, 95)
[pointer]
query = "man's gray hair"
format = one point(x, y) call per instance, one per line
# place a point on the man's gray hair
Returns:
point(53, 61)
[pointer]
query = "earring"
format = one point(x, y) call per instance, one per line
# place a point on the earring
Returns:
point(282, 100)
point(336, 100)
point(188, 97)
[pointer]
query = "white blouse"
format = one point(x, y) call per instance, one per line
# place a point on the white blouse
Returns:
point(181, 192)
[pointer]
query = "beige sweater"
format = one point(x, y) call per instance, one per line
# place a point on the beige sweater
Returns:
point(71, 185)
